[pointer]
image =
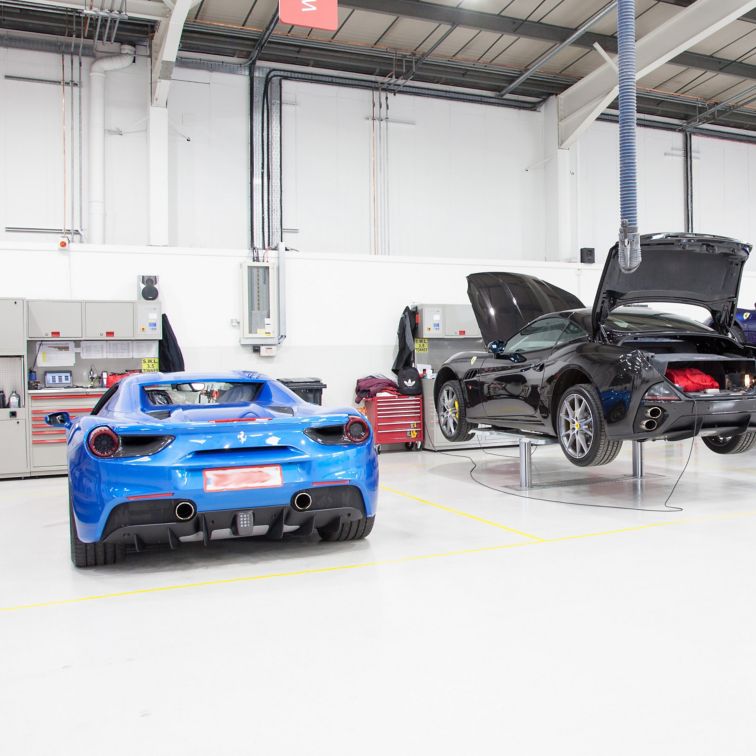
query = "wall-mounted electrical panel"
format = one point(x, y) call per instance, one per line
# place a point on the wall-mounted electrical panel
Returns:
point(446, 322)
point(260, 303)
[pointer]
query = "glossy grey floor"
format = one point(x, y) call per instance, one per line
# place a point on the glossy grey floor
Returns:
point(472, 620)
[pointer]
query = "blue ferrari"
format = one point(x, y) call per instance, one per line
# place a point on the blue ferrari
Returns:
point(174, 458)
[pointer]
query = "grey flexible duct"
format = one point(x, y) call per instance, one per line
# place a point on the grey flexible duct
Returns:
point(629, 239)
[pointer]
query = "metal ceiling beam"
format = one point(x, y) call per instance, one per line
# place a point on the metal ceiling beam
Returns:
point(517, 27)
point(554, 51)
point(750, 16)
point(580, 105)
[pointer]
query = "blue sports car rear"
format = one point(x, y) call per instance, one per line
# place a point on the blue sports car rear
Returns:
point(180, 457)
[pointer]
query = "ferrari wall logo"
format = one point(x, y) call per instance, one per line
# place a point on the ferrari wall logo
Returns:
point(315, 14)
point(242, 436)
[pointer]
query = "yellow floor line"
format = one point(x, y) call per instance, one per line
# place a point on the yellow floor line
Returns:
point(380, 562)
point(461, 513)
point(268, 576)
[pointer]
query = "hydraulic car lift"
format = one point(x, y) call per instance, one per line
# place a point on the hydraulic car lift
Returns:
point(526, 444)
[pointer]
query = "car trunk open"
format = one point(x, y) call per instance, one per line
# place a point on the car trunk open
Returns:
point(693, 269)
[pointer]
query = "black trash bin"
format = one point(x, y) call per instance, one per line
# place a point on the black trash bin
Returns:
point(310, 389)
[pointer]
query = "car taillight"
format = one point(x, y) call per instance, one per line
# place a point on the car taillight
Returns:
point(661, 392)
point(356, 430)
point(103, 442)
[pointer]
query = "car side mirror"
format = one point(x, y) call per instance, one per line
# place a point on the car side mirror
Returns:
point(58, 419)
point(497, 350)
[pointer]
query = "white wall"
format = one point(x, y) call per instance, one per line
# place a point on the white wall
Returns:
point(724, 188)
point(342, 310)
point(208, 175)
point(460, 196)
point(458, 182)
point(661, 187)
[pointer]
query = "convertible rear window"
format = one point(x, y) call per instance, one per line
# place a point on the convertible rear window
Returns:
point(634, 321)
point(215, 392)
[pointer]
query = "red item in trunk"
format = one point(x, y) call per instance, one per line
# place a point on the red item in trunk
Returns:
point(691, 379)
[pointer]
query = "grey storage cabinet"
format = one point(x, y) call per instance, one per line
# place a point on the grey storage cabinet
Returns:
point(13, 460)
point(12, 332)
point(51, 319)
point(108, 320)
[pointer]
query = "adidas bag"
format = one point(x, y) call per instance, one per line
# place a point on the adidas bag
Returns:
point(409, 382)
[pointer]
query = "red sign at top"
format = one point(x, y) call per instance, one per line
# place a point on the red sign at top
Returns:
point(317, 14)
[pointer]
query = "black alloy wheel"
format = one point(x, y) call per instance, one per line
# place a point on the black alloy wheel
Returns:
point(730, 444)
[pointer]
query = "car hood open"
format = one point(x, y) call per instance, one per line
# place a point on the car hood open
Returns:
point(505, 302)
point(694, 269)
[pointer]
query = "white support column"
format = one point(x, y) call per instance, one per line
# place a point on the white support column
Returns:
point(584, 101)
point(158, 175)
point(559, 189)
point(164, 51)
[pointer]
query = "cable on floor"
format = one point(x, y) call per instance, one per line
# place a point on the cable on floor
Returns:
point(665, 507)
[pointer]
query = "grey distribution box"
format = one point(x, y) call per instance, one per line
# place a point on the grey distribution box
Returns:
point(446, 322)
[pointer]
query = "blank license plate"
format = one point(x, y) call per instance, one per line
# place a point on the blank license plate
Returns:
point(242, 478)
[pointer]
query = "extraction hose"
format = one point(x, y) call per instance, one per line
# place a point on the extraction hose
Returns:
point(629, 239)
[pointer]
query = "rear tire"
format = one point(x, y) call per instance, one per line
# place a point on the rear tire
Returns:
point(730, 444)
point(581, 428)
point(91, 554)
point(350, 530)
point(451, 411)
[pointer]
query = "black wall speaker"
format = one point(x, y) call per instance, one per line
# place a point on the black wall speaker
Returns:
point(147, 288)
point(587, 255)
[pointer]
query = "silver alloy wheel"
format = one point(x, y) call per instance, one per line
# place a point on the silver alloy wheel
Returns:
point(576, 425)
point(448, 413)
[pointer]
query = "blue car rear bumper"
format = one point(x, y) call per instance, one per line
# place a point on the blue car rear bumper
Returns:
point(102, 490)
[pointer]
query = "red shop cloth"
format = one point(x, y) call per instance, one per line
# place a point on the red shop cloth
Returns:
point(373, 384)
point(691, 379)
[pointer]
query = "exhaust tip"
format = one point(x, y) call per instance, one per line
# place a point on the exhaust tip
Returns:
point(185, 510)
point(649, 425)
point(654, 412)
point(301, 501)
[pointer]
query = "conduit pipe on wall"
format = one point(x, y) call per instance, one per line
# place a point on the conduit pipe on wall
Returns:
point(96, 231)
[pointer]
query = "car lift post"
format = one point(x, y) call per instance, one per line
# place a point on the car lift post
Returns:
point(637, 460)
point(526, 468)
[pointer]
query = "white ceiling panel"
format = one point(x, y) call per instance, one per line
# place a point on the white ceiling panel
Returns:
point(224, 11)
point(732, 42)
point(478, 45)
point(574, 61)
point(363, 27)
point(408, 33)
point(454, 42)
point(258, 12)
point(573, 14)
point(519, 54)
point(608, 24)
point(485, 6)
point(664, 73)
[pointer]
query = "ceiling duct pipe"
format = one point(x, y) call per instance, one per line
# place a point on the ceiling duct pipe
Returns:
point(629, 239)
point(96, 231)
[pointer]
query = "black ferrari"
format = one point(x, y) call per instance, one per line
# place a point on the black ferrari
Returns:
point(593, 378)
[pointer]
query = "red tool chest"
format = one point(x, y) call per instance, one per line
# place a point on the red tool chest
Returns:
point(396, 419)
